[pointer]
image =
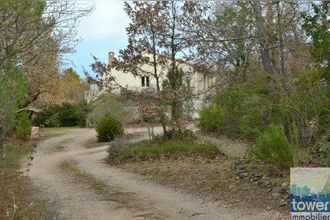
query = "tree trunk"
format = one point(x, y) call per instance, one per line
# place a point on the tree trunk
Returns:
point(175, 76)
point(163, 121)
point(281, 48)
point(162, 114)
point(1, 138)
point(262, 38)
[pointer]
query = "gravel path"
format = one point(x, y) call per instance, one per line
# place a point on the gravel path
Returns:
point(136, 198)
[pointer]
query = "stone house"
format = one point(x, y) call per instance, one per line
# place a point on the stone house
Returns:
point(200, 82)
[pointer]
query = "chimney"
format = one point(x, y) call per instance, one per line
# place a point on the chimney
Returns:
point(111, 61)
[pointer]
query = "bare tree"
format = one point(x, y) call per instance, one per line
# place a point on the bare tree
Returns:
point(178, 40)
point(29, 24)
point(142, 55)
point(262, 37)
point(226, 39)
point(161, 36)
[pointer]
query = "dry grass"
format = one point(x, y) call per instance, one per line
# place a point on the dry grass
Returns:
point(160, 149)
point(17, 199)
point(210, 179)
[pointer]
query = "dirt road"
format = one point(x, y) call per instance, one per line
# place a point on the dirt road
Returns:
point(84, 187)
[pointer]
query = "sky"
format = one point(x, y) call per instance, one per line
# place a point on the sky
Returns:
point(100, 32)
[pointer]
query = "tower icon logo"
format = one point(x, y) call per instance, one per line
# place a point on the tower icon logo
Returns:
point(310, 193)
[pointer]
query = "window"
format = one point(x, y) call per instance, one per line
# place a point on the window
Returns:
point(207, 81)
point(145, 81)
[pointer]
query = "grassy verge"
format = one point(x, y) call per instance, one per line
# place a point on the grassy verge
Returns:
point(14, 202)
point(158, 149)
point(14, 153)
point(18, 199)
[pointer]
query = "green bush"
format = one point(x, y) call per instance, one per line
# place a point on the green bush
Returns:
point(24, 125)
point(53, 121)
point(211, 118)
point(68, 115)
point(231, 104)
point(65, 115)
point(239, 110)
point(246, 109)
point(254, 116)
point(108, 128)
point(13, 91)
point(272, 146)
point(47, 117)
point(82, 112)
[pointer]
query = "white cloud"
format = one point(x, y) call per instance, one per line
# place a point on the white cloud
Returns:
point(102, 31)
point(108, 20)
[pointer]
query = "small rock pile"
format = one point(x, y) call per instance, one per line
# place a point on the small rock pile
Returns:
point(35, 134)
point(277, 191)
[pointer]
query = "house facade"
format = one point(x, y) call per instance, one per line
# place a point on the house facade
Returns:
point(200, 83)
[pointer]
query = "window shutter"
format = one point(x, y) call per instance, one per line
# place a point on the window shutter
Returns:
point(147, 79)
point(142, 81)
